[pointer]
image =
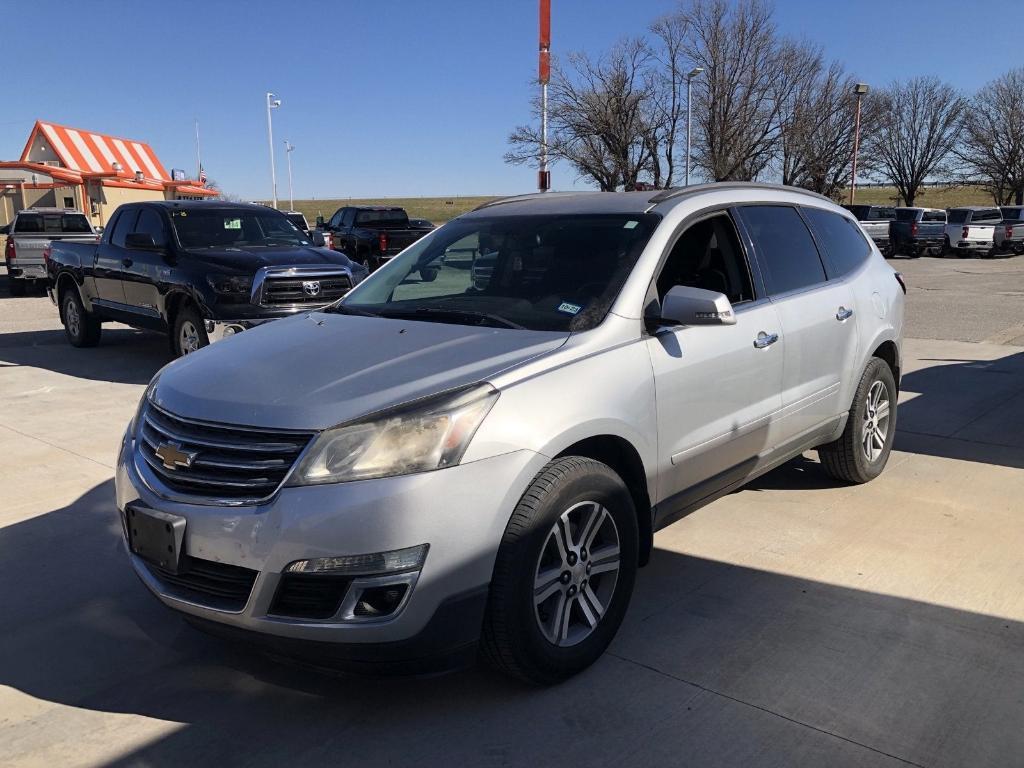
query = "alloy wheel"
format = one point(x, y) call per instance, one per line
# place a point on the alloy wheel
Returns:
point(876, 421)
point(72, 317)
point(188, 337)
point(576, 573)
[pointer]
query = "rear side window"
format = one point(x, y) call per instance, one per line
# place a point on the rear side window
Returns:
point(785, 249)
point(1013, 213)
point(125, 223)
point(843, 240)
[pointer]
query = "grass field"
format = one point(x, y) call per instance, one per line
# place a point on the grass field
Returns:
point(441, 209)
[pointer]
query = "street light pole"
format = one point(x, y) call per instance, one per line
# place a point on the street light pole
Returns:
point(272, 103)
point(288, 148)
point(689, 79)
point(860, 89)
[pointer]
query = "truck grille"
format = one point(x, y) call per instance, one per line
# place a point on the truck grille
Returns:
point(302, 291)
point(219, 461)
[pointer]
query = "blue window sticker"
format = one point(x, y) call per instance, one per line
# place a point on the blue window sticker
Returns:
point(569, 309)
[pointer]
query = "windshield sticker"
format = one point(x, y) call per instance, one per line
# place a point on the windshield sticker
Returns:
point(630, 224)
point(232, 223)
point(569, 309)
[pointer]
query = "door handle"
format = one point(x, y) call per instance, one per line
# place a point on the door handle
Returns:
point(127, 262)
point(844, 314)
point(765, 340)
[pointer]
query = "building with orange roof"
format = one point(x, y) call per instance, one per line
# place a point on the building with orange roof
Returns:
point(72, 168)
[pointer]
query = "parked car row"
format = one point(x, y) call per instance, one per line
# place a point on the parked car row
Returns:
point(984, 230)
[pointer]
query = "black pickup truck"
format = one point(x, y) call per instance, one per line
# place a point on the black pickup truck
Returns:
point(371, 234)
point(197, 271)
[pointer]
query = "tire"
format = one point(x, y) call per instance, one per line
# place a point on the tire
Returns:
point(81, 327)
point(847, 458)
point(15, 287)
point(523, 638)
point(188, 333)
point(945, 250)
point(428, 274)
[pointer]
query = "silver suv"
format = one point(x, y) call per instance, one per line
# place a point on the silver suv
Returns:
point(477, 461)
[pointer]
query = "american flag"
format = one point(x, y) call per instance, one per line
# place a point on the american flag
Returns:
point(202, 175)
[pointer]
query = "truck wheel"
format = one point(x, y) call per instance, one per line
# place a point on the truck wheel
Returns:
point(861, 452)
point(564, 573)
point(189, 332)
point(15, 286)
point(944, 251)
point(81, 327)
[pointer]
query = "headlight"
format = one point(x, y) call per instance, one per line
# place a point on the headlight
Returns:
point(430, 434)
point(232, 285)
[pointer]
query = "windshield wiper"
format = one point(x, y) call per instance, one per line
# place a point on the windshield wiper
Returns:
point(427, 313)
point(342, 309)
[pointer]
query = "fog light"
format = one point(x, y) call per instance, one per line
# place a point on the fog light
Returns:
point(380, 601)
point(407, 559)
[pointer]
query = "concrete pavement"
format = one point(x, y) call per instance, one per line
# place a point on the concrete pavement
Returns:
point(793, 623)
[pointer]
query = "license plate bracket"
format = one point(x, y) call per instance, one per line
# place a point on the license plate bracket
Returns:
point(157, 537)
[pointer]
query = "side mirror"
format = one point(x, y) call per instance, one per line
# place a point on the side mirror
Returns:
point(684, 305)
point(141, 241)
point(318, 239)
point(319, 221)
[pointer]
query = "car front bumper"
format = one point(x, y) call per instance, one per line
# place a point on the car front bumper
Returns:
point(460, 512)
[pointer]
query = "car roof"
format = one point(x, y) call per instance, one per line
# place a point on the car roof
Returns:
point(190, 205)
point(658, 201)
point(973, 208)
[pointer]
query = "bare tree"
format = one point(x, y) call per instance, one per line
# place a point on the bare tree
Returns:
point(598, 118)
point(992, 147)
point(667, 83)
point(817, 131)
point(916, 126)
point(737, 98)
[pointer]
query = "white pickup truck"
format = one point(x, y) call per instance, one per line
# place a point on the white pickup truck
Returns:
point(874, 220)
point(31, 233)
point(971, 229)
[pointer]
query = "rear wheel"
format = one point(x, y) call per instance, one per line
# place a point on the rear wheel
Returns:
point(188, 334)
point(861, 452)
point(81, 327)
point(944, 251)
point(564, 573)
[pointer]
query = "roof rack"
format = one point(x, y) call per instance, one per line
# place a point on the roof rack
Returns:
point(673, 192)
point(528, 196)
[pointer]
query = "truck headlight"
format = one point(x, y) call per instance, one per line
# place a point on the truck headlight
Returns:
point(231, 285)
point(429, 434)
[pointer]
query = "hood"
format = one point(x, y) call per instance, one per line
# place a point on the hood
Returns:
point(317, 370)
point(251, 259)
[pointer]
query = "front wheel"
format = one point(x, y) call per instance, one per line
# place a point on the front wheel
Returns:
point(188, 334)
point(564, 573)
point(861, 452)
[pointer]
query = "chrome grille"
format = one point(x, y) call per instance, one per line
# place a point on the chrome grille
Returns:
point(291, 291)
point(224, 461)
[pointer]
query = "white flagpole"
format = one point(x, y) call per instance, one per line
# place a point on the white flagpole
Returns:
point(199, 159)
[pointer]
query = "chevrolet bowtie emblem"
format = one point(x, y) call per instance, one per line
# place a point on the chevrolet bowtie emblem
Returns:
point(173, 456)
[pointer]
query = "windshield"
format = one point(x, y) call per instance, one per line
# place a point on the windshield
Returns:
point(53, 223)
point(550, 273)
point(239, 228)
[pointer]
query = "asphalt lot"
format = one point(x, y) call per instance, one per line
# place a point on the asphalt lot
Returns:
point(793, 623)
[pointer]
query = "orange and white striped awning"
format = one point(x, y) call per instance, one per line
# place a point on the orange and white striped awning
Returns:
point(96, 153)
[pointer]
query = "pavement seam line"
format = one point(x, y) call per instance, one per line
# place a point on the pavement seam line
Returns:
point(54, 445)
point(951, 437)
point(766, 710)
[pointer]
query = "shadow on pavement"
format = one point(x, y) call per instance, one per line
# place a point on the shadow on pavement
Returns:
point(715, 665)
point(124, 355)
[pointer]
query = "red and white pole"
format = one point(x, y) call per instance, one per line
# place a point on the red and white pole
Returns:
point(544, 67)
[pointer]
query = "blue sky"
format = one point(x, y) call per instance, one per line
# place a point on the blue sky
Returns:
point(392, 97)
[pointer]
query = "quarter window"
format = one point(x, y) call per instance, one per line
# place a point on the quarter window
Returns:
point(844, 241)
point(785, 249)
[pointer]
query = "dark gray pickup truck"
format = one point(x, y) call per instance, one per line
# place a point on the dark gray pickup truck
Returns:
point(372, 234)
point(917, 231)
